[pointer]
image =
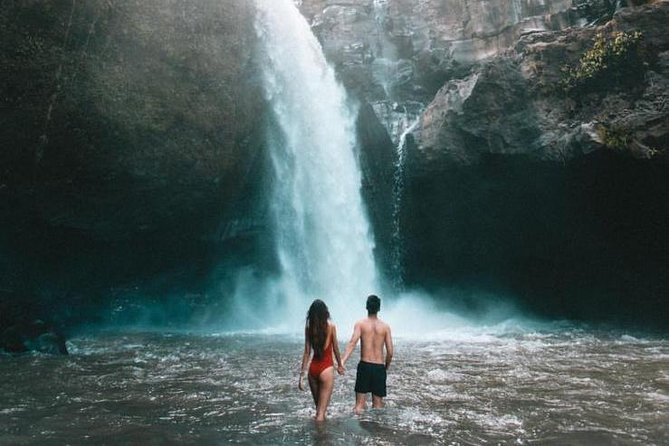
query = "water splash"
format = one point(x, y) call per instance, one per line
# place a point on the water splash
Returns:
point(323, 238)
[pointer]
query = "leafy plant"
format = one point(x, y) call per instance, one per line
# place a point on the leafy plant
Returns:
point(615, 137)
point(615, 60)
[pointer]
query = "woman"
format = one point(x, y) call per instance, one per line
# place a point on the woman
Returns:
point(320, 335)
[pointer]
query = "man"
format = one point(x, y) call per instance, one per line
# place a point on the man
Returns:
point(373, 334)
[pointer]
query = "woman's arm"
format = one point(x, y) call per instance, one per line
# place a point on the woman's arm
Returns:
point(305, 358)
point(335, 348)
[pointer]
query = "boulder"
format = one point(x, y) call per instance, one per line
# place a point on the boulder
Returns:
point(36, 336)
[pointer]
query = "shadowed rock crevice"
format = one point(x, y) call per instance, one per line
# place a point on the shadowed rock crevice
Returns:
point(580, 240)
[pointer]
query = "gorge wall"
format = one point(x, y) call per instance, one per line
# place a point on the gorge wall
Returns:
point(512, 185)
point(133, 152)
point(130, 147)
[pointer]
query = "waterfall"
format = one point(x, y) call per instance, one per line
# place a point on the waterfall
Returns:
point(399, 117)
point(397, 265)
point(323, 238)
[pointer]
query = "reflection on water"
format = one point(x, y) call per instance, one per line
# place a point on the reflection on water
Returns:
point(564, 386)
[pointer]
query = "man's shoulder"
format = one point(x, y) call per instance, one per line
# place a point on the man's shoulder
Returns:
point(375, 323)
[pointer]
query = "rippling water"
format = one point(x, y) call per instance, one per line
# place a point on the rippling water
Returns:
point(480, 386)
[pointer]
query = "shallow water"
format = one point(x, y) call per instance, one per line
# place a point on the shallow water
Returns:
point(478, 386)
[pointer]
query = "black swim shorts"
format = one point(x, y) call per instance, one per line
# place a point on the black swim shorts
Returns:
point(371, 378)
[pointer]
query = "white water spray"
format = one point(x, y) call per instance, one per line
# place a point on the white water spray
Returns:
point(323, 237)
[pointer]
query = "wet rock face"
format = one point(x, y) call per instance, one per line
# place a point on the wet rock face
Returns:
point(129, 137)
point(485, 112)
point(408, 48)
point(395, 55)
point(127, 119)
point(553, 198)
point(510, 184)
point(514, 104)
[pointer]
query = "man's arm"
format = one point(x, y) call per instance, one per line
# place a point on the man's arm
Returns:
point(389, 348)
point(352, 343)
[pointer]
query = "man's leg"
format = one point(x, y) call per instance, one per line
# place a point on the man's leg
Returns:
point(378, 386)
point(360, 402)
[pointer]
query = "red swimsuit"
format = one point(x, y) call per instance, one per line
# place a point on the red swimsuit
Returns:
point(318, 365)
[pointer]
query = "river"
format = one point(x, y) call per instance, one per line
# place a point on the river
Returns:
point(498, 385)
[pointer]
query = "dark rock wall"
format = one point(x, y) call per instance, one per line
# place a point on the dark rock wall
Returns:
point(127, 118)
point(377, 164)
point(581, 239)
point(514, 186)
point(130, 132)
point(132, 152)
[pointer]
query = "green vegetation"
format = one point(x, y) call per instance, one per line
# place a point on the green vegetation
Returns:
point(620, 138)
point(615, 137)
point(615, 60)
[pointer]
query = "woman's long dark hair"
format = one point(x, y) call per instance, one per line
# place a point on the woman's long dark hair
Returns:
point(317, 326)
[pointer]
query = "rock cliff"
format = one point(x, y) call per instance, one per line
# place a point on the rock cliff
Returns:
point(404, 50)
point(127, 118)
point(514, 182)
point(130, 132)
point(515, 104)
point(132, 147)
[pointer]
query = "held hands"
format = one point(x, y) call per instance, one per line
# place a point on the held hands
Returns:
point(342, 367)
point(300, 385)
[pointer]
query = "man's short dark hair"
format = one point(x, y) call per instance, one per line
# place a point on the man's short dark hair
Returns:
point(373, 304)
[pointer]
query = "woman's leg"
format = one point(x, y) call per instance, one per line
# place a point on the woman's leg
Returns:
point(326, 385)
point(315, 389)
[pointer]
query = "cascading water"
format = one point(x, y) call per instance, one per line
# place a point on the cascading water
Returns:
point(399, 117)
point(323, 238)
point(397, 268)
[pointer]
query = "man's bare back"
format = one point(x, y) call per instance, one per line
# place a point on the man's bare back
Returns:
point(374, 336)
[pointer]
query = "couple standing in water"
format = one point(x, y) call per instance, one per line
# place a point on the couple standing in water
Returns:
point(320, 336)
